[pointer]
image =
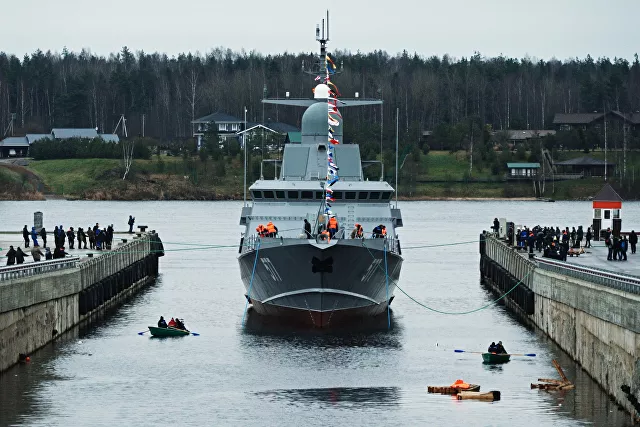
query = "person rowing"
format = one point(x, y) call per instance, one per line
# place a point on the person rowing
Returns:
point(180, 324)
point(162, 323)
point(500, 349)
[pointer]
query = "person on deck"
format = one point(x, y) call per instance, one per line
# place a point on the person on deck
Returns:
point(11, 256)
point(333, 226)
point(36, 253)
point(272, 231)
point(25, 236)
point(131, 221)
point(20, 256)
point(377, 232)
point(43, 234)
point(172, 323)
point(307, 229)
point(500, 348)
point(633, 241)
point(492, 347)
point(496, 226)
point(357, 232)
point(162, 323)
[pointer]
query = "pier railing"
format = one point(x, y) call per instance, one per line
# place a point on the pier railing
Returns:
point(593, 275)
point(33, 268)
point(518, 266)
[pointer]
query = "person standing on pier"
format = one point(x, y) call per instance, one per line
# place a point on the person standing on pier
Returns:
point(92, 238)
point(71, 236)
point(580, 235)
point(43, 234)
point(132, 221)
point(609, 244)
point(82, 239)
point(588, 237)
point(20, 256)
point(11, 256)
point(624, 244)
point(633, 241)
point(34, 236)
point(109, 236)
point(36, 253)
point(25, 236)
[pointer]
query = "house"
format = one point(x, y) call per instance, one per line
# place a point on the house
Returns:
point(586, 121)
point(74, 133)
point(33, 137)
point(587, 166)
point(520, 136)
point(522, 170)
point(14, 146)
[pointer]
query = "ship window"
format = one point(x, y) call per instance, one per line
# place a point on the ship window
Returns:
point(318, 195)
point(268, 194)
point(280, 194)
point(350, 195)
point(257, 194)
point(307, 195)
point(362, 195)
point(293, 194)
point(337, 195)
point(374, 195)
point(386, 195)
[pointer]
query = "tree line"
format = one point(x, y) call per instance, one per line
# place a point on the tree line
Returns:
point(161, 95)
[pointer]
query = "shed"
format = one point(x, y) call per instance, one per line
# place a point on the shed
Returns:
point(587, 166)
point(607, 211)
point(14, 146)
point(74, 133)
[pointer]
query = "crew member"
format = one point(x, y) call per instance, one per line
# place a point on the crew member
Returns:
point(307, 229)
point(333, 225)
point(357, 232)
point(325, 235)
point(272, 231)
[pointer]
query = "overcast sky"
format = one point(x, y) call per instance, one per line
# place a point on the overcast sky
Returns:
point(538, 28)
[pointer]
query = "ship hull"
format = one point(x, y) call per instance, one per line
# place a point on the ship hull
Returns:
point(320, 285)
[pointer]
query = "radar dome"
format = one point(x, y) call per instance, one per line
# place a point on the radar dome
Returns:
point(315, 124)
point(321, 91)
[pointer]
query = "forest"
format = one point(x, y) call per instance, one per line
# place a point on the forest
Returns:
point(455, 98)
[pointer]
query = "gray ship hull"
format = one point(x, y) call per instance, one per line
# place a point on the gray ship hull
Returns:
point(318, 284)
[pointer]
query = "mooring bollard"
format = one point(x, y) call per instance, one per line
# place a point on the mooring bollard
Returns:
point(143, 228)
point(90, 255)
point(124, 240)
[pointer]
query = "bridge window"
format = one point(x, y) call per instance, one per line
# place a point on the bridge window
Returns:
point(386, 195)
point(268, 194)
point(280, 194)
point(257, 194)
point(318, 195)
point(292, 194)
point(307, 195)
point(337, 195)
point(374, 195)
point(350, 195)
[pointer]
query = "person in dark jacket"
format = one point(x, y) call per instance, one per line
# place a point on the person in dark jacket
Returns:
point(496, 226)
point(579, 236)
point(109, 236)
point(500, 348)
point(131, 221)
point(633, 241)
point(492, 348)
point(82, 239)
point(71, 237)
point(25, 236)
point(531, 242)
point(92, 238)
point(47, 254)
point(20, 256)
point(11, 256)
point(162, 323)
point(43, 234)
point(307, 229)
point(36, 253)
point(624, 244)
point(588, 237)
point(59, 253)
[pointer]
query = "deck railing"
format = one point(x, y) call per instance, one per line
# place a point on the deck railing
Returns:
point(597, 276)
point(33, 268)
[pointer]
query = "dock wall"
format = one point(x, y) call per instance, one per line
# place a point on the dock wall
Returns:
point(597, 324)
point(36, 306)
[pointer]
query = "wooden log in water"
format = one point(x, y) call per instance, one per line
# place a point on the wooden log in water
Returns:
point(551, 381)
point(560, 371)
point(476, 395)
point(565, 386)
point(451, 390)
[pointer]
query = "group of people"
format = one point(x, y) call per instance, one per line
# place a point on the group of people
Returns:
point(497, 348)
point(617, 246)
point(98, 238)
point(173, 323)
point(269, 230)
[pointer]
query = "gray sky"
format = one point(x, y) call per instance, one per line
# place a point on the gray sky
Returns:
point(538, 28)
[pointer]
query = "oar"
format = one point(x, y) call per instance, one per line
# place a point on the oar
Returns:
point(143, 332)
point(195, 334)
point(506, 354)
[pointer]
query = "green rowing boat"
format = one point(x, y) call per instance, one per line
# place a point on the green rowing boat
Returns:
point(167, 332)
point(495, 358)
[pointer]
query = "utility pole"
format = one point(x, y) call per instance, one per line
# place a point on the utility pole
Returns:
point(244, 143)
point(143, 119)
point(397, 120)
point(605, 142)
point(471, 152)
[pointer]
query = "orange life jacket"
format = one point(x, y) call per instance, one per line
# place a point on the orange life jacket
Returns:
point(325, 235)
point(459, 384)
point(333, 223)
point(271, 228)
point(384, 231)
point(172, 323)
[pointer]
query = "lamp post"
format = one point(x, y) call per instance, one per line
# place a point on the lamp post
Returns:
point(244, 143)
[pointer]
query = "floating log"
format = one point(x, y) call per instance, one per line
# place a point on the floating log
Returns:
point(476, 395)
point(560, 371)
point(552, 384)
point(451, 390)
point(564, 386)
point(551, 381)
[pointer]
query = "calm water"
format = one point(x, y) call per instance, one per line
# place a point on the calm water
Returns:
point(106, 374)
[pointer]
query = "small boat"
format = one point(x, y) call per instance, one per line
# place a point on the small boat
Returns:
point(495, 358)
point(167, 332)
point(452, 390)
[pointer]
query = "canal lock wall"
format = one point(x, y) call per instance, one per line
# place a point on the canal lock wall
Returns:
point(38, 305)
point(595, 319)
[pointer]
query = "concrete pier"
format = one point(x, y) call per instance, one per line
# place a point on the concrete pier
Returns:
point(592, 314)
point(40, 300)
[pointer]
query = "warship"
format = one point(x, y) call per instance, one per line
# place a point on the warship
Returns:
point(321, 278)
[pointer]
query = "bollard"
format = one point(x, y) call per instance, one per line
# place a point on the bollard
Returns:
point(124, 240)
point(89, 255)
